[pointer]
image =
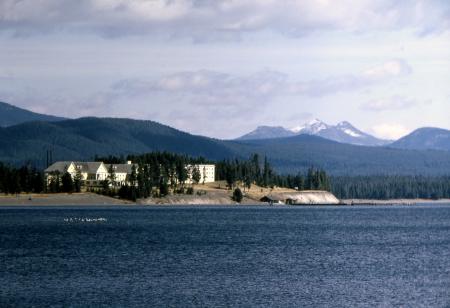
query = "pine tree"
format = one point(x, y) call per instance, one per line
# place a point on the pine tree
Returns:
point(237, 195)
point(77, 180)
point(67, 183)
point(112, 176)
point(196, 176)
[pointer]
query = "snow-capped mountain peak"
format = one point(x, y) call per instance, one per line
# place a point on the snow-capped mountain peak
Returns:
point(350, 130)
point(343, 132)
point(312, 127)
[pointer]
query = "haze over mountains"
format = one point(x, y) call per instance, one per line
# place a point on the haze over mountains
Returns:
point(86, 137)
point(343, 132)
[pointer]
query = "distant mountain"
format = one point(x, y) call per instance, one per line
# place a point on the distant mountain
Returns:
point(313, 127)
point(11, 115)
point(267, 132)
point(83, 138)
point(427, 138)
point(343, 132)
point(293, 154)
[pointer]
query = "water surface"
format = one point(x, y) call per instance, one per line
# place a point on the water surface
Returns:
point(225, 256)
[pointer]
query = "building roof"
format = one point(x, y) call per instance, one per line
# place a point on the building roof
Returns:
point(122, 168)
point(88, 167)
point(60, 166)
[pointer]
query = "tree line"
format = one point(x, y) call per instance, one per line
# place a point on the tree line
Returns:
point(259, 171)
point(160, 173)
point(155, 174)
point(391, 187)
point(24, 179)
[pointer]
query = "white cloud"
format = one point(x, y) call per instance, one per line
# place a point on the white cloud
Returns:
point(218, 19)
point(209, 84)
point(395, 102)
point(390, 131)
point(377, 74)
point(393, 68)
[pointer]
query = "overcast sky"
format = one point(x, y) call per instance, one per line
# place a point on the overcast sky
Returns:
point(221, 68)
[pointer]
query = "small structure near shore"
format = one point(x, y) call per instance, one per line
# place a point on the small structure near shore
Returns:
point(307, 197)
point(272, 199)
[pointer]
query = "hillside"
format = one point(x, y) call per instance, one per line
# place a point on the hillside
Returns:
point(425, 139)
point(86, 137)
point(12, 115)
point(293, 154)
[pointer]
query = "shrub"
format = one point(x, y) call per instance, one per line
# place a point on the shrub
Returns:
point(237, 195)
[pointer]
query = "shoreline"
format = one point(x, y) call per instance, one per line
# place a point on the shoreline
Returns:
point(352, 202)
point(92, 199)
point(61, 199)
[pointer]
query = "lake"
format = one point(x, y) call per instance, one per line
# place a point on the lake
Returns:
point(225, 256)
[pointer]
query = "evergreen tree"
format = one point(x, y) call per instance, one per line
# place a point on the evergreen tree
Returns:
point(237, 195)
point(67, 183)
point(77, 180)
point(133, 183)
point(112, 176)
point(196, 176)
point(55, 182)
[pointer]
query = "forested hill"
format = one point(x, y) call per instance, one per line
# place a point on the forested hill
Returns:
point(291, 154)
point(12, 115)
point(425, 138)
point(82, 139)
point(86, 137)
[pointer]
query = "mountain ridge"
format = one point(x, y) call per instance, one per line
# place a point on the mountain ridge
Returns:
point(84, 138)
point(12, 115)
point(425, 138)
point(343, 132)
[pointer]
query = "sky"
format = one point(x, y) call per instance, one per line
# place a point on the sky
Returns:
point(221, 68)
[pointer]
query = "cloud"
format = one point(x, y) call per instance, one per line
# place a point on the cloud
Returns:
point(395, 102)
point(210, 87)
point(260, 86)
point(393, 68)
point(189, 99)
point(390, 131)
point(380, 73)
point(220, 19)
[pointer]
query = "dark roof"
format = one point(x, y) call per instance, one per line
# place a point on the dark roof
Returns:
point(123, 168)
point(88, 167)
point(60, 166)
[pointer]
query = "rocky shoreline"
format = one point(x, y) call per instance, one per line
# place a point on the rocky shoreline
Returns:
point(211, 198)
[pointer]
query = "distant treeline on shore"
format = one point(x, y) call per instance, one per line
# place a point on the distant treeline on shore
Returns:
point(160, 173)
point(391, 187)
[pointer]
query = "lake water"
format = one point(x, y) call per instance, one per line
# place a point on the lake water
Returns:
point(225, 256)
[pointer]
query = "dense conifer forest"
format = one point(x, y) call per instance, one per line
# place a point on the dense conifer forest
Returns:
point(24, 179)
point(391, 187)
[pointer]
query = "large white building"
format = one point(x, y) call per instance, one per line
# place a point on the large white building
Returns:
point(207, 173)
point(93, 173)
